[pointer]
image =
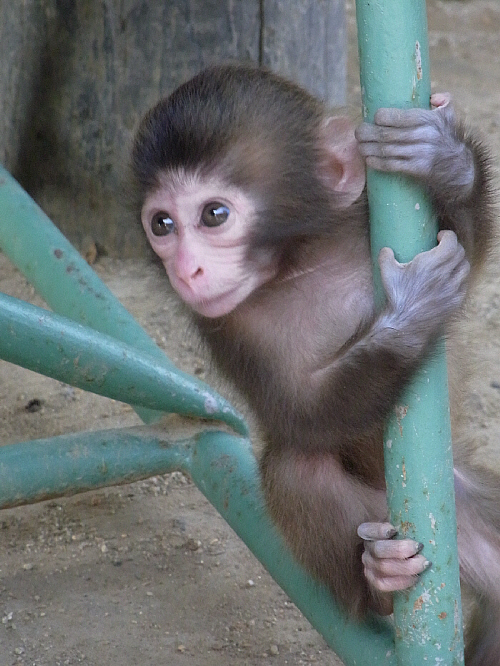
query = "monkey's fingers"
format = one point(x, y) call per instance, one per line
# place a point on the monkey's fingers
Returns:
point(450, 251)
point(381, 140)
point(399, 549)
point(441, 100)
point(376, 531)
point(391, 118)
point(448, 246)
point(447, 237)
point(446, 262)
point(390, 575)
point(414, 117)
point(394, 150)
point(392, 274)
point(386, 257)
point(387, 567)
point(414, 166)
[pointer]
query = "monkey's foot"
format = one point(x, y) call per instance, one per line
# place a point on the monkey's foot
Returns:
point(389, 564)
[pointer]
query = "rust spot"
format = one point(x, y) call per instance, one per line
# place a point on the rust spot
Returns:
point(418, 604)
point(58, 253)
point(418, 60)
point(401, 411)
point(406, 526)
point(443, 616)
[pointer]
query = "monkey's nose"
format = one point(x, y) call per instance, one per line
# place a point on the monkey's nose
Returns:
point(197, 273)
point(188, 271)
point(193, 280)
point(191, 277)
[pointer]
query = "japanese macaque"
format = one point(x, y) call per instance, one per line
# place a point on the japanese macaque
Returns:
point(253, 198)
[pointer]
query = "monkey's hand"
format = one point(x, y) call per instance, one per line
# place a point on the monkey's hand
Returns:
point(423, 293)
point(430, 146)
point(389, 564)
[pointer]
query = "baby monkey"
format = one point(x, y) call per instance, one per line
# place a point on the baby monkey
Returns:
point(253, 197)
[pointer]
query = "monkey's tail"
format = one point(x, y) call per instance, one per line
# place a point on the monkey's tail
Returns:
point(478, 516)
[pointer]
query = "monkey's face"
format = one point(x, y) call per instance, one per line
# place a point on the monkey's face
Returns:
point(199, 229)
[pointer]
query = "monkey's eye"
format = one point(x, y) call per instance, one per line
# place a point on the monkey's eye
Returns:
point(162, 224)
point(214, 214)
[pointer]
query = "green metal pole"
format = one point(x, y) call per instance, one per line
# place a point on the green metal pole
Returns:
point(79, 355)
point(394, 62)
point(60, 275)
point(224, 468)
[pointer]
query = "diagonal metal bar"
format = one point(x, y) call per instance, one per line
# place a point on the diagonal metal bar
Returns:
point(60, 348)
point(224, 468)
point(60, 275)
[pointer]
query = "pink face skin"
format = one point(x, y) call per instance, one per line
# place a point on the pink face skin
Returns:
point(204, 253)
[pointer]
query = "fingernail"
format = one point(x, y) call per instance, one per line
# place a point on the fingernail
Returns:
point(420, 547)
point(427, 565)
point(391, 533)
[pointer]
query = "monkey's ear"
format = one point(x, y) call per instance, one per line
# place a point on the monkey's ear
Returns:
point(342, 168)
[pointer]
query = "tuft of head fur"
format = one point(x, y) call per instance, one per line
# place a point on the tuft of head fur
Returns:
point(254, 129)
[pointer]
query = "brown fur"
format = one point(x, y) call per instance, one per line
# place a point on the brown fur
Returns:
point(320, 367)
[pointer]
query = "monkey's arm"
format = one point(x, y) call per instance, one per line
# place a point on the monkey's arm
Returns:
point(361, 384)
point(439, 151)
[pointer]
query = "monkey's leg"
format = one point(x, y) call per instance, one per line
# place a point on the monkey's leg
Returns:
point(478, 516)
point(318, 506)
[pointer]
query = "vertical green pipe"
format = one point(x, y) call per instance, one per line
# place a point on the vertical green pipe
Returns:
point(394, 63)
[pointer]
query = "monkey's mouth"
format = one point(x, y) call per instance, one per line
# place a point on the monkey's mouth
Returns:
point(217, 305)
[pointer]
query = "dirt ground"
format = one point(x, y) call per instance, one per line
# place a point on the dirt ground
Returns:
point(149, 573)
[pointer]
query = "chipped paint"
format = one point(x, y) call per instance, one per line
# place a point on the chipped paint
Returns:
point(406, 526)
point(211, 406)
point(418, 60)
point(400, 411)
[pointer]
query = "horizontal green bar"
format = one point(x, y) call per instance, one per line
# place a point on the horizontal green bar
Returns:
point(224, 469)
point(70, 464)
point(62, 349)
